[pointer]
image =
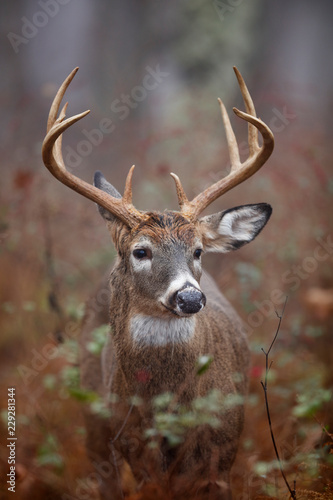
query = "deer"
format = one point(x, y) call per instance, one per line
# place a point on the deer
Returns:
point(165, 313)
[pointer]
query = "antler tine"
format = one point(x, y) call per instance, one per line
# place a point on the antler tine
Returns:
point(182, 198)
point(239, 171)
point(250, 109)
point(58, 98)
point(58, 142)
point(127, 197)
point(53, 160)
point(231, 138)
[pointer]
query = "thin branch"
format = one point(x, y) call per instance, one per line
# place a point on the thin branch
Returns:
point(112, 441)
point(323, 428)
point(265, 388)
point(123, 424)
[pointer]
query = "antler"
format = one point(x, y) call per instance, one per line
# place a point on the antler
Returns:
point(239, 171)
point(53, 160)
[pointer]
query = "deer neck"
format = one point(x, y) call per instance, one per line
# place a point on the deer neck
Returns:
point(154, 354)
point(154, 331)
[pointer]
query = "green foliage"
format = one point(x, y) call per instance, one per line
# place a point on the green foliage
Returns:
point(48, 453)
point(311, 401)
point(74, 309)
point(8, 307)
point(314, 331)
point(69, 351)
point(100, 408)
point(203, 364)
point(308, 462)
point(70, 377)
point(99, 336)
point(163, 401)
point(49, 381)
point(134, 400)
point(29, 306)
point(264, 468)
point(172, 420)
point(82, 395)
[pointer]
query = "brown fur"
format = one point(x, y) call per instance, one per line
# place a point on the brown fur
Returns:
point(146, 371)
point(156, 287)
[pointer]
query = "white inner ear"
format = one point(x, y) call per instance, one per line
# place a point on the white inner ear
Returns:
point(240, 224)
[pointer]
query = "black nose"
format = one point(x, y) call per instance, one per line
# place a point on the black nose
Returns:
point(190, 300)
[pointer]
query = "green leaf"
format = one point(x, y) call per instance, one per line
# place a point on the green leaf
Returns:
point(162, 401)
point(82, 395)
point(47, 453)
point(49, 381)
point(28, 306)
point(99, 337)
point(136, 401)
point(71, 377)
point(203, 363)
point(100, 408)
point(310, 402)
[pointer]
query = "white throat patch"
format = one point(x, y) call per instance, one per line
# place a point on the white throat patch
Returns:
point(150, 331)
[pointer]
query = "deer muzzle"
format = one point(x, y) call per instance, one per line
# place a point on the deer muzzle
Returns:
point(188, 300)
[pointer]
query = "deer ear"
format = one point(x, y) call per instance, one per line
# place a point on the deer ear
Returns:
point(101, 183)
point(231, 229)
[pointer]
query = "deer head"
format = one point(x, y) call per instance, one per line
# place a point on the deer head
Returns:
point(160, 253)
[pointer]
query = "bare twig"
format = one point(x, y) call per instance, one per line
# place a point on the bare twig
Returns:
point(265, 388)
point(123, 424)
point(323, 428)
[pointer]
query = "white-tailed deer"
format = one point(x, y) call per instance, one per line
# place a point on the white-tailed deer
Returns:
point(163, 318)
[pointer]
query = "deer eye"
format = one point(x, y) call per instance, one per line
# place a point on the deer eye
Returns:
point(197, 253)
point(142, 253)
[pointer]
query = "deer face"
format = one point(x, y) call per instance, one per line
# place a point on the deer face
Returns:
point(162, 254)
point(165, 263)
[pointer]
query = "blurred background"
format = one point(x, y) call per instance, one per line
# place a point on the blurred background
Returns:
point(150, 71)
